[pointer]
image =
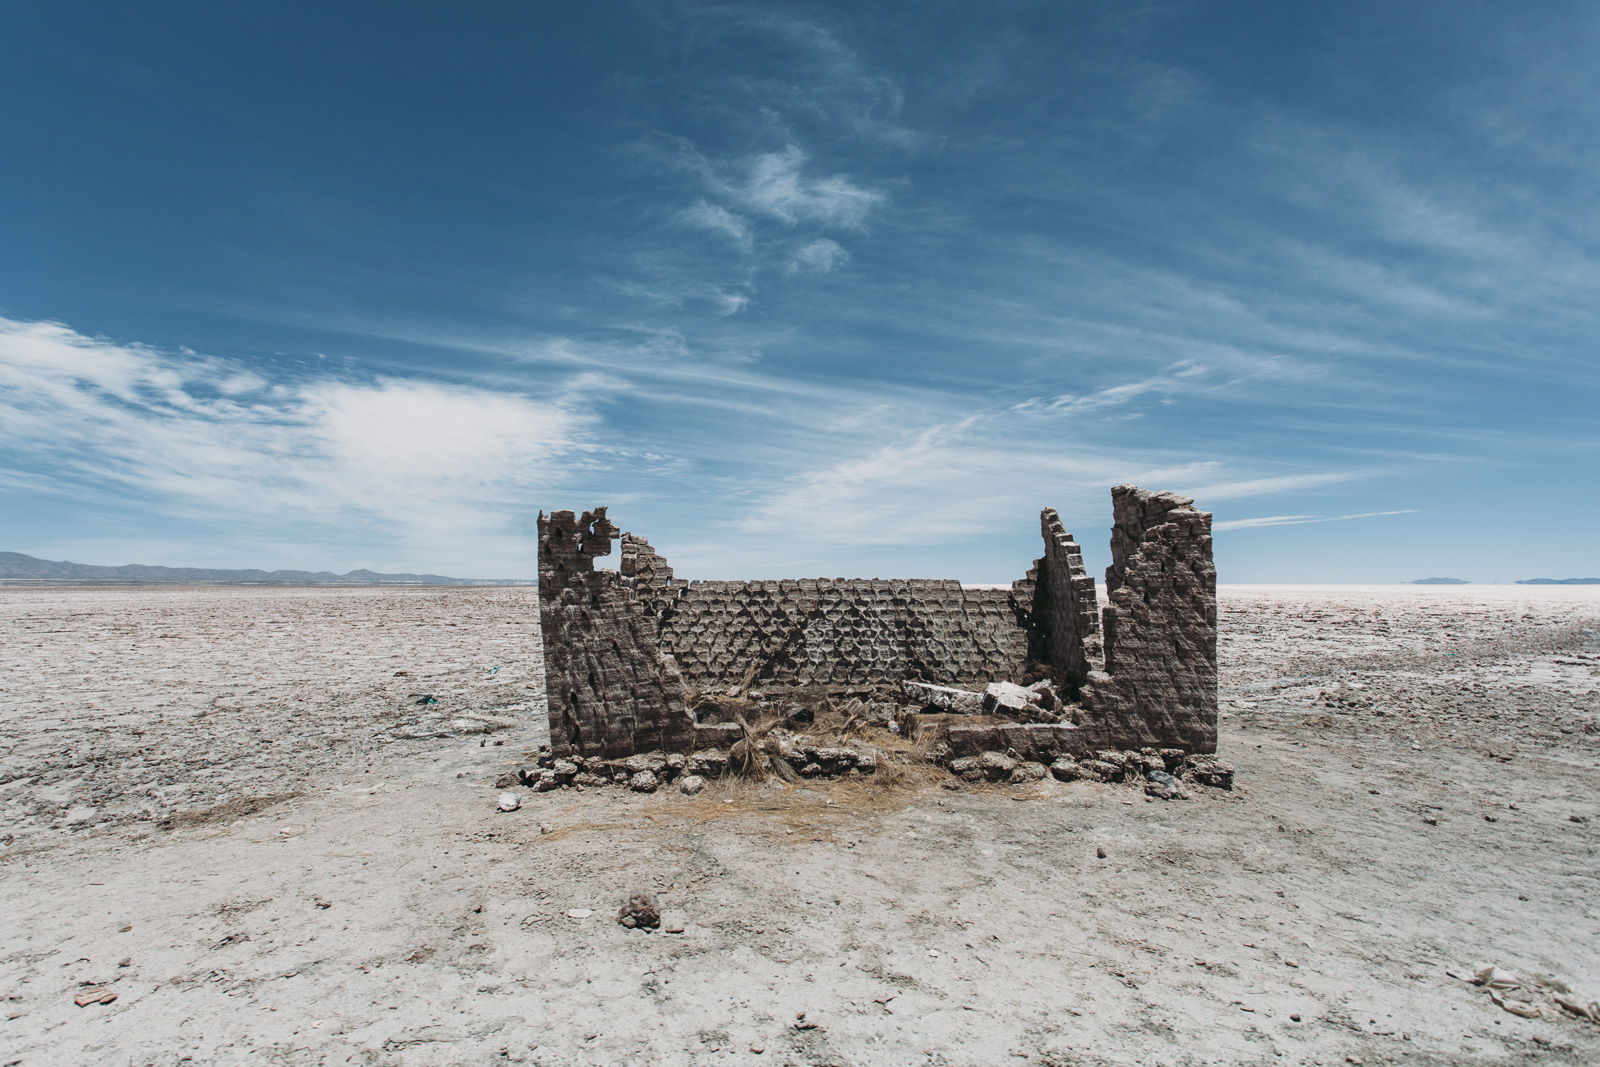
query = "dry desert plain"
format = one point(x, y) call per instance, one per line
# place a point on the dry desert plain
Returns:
point(225, 807)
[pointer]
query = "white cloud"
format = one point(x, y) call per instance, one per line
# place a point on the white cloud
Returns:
point(1178, 377)
point(731, 303)
point(1262, 486)
point(1298, 520)
point(210, 439)
point(1266, 520)
point(719, 220)
point(775, 184)
point(821, 256)
point(949, 481)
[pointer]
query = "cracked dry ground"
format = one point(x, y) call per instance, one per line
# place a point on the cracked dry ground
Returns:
point(312, 870)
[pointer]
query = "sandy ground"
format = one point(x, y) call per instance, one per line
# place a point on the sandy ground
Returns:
point(225, 806)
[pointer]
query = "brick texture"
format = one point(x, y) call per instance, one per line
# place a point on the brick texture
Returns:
point(610, 692)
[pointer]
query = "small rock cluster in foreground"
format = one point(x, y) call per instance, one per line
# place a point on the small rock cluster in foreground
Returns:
point(649, 771)
point(643, 773)
point(1165, 772)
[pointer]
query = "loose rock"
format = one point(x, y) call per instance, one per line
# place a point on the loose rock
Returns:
point(640, 911)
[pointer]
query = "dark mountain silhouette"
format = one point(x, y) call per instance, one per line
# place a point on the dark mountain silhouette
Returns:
point(16, 567)
point(1560, 581)
point(1441, 581)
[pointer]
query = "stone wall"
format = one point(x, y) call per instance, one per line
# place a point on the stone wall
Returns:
point(622, 647)
point(610, 693)
point(855, 635)
point(1159, 685)
point(1066, 613)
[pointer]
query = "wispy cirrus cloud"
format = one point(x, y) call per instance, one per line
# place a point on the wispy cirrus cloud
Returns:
point(423, 460)
point(714, 218)
point(1284, 483)
point(778, 185)
point(821, 256)
point(1179, 377)
point(1300, 520)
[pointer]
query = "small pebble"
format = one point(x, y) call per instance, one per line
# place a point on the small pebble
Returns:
point(509, 801)
point(1100, 852)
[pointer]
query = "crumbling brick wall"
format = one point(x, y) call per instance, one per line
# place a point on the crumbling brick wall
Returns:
point(843, 634)
point(609, 691)
point(1066, 613)
point(620, 648)
point(1159, 685)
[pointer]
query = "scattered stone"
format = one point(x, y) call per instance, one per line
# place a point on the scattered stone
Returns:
point(509, 801)
point(1100, 852)
point(989, 767)
point(1028, 772)
point(1577, 818)
point(640, 911)
point(1096, 770)
point(691, 784)
point(1065, 769)
point(580, 913)
point(708, 762)
point(94, 995)
point(643, 782)
point(1209, 770)
point(1163, 786)
point(942, 698)
point(1000, 697)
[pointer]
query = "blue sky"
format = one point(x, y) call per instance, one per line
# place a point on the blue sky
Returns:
point(801, 289)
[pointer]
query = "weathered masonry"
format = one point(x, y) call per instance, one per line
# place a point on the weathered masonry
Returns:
point(622, 648)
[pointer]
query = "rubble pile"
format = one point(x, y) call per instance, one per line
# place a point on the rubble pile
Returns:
point(645, 772)
point(1164, 773)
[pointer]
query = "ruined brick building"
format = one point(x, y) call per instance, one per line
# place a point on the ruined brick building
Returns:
point(622, 648)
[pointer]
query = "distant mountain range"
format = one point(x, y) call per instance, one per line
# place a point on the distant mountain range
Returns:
point(1560, 581)
point(1525, 581)
point(16, 568)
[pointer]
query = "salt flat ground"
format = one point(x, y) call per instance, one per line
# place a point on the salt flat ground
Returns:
point(227, 806)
